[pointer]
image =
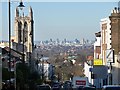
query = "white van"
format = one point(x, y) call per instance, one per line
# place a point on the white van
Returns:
point(80, 81)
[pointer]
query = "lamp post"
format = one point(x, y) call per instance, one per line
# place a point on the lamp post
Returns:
point(21, 6)
point(9, 29)
point(9, 36)
point(23, 47)
point(42, 68)
point(30, 49)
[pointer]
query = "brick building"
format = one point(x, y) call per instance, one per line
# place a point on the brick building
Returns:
point(115, 44)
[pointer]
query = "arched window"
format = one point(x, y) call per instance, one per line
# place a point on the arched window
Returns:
point(25, 26)
point(19, 32)
point(25, 31)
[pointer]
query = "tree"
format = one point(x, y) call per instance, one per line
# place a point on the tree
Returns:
point(6, 75)
point(22, 75)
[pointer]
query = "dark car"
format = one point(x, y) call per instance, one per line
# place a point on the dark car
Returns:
point(111, 87)
point(67, 85)
point(56, 86)
point(80, 88)
point(43, 87)
point(88, 88)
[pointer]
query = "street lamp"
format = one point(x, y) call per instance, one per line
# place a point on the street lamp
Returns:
point(9, 29)
point(21, 6)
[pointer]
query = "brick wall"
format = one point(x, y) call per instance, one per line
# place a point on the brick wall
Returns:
point(115, 32)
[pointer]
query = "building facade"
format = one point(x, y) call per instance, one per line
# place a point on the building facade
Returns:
point(87, 72)
point(105, 28)
point(110, 46)
point(24, 32)
point(115, 44)
point(97, 46)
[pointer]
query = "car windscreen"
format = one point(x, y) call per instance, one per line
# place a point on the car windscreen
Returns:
point(112, 88)
point(88, 88)
point(43, 88)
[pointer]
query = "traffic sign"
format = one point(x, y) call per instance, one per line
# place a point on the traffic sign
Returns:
point(110, 55)
point(98, 62)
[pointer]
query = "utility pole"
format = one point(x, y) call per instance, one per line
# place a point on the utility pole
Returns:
point(42, 68)
point(9, 11)
point(0, 69)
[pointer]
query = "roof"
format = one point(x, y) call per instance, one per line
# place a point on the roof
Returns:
point(13, 52)
point(111, 86)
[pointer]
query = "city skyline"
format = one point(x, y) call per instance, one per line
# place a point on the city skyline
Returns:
point(62, 20)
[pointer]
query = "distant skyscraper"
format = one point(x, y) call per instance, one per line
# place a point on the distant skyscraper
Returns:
point(65, 40)
point(51, 40)
point(82, 41)
point(58, 41)
point(77, 41)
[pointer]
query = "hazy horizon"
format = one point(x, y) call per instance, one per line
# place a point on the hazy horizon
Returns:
point(61, 20)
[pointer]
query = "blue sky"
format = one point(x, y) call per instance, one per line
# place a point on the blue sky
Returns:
point(61, 20)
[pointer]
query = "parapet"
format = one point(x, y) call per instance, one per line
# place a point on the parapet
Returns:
point(115, 10)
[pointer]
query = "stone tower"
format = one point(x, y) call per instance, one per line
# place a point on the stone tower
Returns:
point(23, 27)
point(115, 29)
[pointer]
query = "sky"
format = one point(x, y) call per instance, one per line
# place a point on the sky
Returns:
point(60, 20)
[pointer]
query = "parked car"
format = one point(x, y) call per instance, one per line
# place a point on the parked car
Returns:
point(111, 87)
point(44, 87)
point(80, 88)
point(86, 88)
point(67, 85)
point(56, 86)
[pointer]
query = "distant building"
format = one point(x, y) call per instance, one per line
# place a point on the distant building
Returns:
point(4, 44)
point(82, 41)
point(46, 69)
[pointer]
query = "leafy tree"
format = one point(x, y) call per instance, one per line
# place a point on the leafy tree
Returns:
point(22, 75)
point(6, 75)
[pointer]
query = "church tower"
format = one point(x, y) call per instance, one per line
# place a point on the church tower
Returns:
point(23, 27)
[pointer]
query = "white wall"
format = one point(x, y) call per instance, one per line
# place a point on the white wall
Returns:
point(97, 43)
point(46, 69)
point(87, 72)
point(105, 37)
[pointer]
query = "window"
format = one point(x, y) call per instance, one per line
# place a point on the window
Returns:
point(19, 31)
